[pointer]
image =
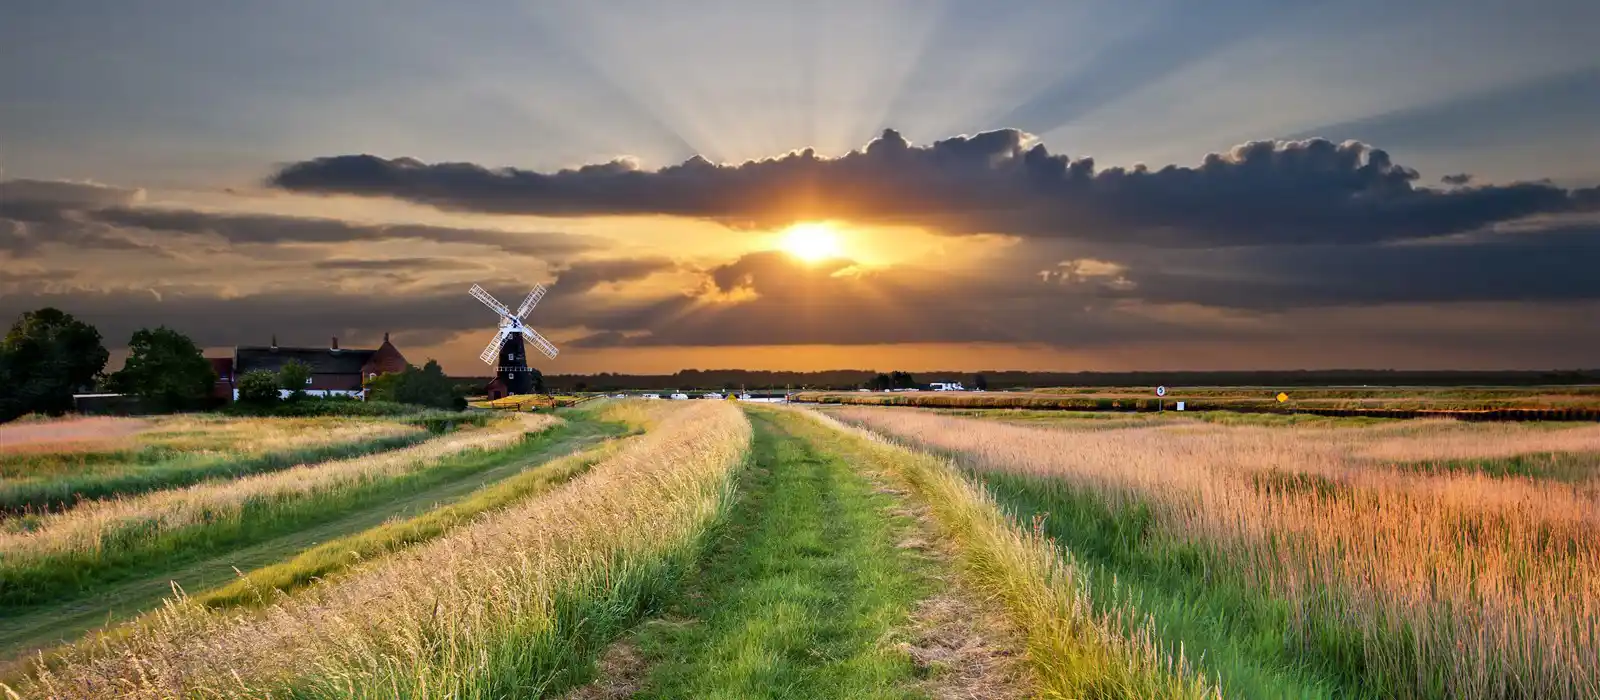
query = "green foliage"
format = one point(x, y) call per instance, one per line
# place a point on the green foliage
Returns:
point(46, 356)
point(165, 369)
point(294, 376)
point(258, 388)
point(980, 383)
point(427, 386)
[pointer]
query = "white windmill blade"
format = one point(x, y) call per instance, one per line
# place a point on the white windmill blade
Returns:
point(532, 300)
point(545, 346)
point(489, 300)
point(491, 354)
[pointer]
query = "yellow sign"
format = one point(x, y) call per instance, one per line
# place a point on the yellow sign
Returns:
point(1282, 397)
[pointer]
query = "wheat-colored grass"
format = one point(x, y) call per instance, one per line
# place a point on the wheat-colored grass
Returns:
point(88, 528)
point(1497, 579)
point(1074, 651)
point(464, 616)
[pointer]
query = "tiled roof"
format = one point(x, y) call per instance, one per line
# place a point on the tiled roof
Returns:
point(320, 360)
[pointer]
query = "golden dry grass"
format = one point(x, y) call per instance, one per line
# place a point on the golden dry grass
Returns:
point(1074, 651)
point(74, 434)
point(90, 526)
point(463, 616)
point(1496, 579)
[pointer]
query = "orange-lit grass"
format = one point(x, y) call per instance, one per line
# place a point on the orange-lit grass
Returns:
point(95, 526)
point(505, 607)
point(1466, 585)
point(1074, 651)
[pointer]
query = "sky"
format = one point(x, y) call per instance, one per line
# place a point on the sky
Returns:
point(876, 184)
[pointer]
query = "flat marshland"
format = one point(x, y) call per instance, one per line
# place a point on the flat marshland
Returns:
point(1386, 559)
point(51, 465)
point(630, 548)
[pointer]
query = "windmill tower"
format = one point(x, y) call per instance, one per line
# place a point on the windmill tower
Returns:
point(506, 351)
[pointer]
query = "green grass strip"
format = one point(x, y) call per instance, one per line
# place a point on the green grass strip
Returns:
point(258, 586)
point(800, 589)
point(42, 495)
point(79, 574)
point(1194, 595)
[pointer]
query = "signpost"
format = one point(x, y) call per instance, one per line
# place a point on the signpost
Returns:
point(1160, 391)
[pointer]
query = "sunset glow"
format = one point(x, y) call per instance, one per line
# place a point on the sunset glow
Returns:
point(812, 242)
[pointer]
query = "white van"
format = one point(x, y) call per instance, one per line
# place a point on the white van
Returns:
point(680, 397)
point(713, 395)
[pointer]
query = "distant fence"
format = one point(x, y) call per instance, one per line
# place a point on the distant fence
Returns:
point(1067, 403)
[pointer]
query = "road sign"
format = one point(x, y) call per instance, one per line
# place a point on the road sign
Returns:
point(1161, 391)
point(1282, 397)
point(1180, 405)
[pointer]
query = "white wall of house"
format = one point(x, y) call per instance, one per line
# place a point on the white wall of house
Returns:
point(284, 393)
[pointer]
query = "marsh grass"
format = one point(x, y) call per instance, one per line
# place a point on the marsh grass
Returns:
point(1424, 584)
point(511, 605)
point(170, 452)
point(65, 554)
point(1075, 650)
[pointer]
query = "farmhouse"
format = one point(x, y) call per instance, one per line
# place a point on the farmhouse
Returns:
point(335, 371)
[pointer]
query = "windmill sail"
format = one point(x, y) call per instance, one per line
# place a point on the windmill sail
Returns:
point(489, 300)
point(532, 300)
point(544, 346)
point(490, 354)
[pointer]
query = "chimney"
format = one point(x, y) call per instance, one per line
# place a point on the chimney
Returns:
point(335, 345)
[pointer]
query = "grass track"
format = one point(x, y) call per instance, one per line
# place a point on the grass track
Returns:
point(67, 618)
point(799, 592)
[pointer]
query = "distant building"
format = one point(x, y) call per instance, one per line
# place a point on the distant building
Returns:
point(335, 371)
point(223, 367)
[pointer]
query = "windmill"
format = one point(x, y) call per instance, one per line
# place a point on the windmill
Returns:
point(512, 364)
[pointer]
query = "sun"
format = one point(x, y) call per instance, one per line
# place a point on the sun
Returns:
point(811, 241)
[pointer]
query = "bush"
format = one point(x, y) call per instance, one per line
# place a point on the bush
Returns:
point(427, 386)
point(258, 388)
point(294, 376)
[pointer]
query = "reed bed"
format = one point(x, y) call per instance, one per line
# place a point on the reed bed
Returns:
point(97, 527)
point(508, 606)
point(1074, 651)
point(1461, 585)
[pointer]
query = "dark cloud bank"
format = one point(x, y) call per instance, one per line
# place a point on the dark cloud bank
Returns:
point(1260, 193)
point(1276, 233)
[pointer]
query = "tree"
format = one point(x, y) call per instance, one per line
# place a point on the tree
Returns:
point(979, 383)
point(427, 386)
point(293, 377)
point(166, 369)
point(880, 383)
point(258, 387)
point(902, 380)
point(47, 355)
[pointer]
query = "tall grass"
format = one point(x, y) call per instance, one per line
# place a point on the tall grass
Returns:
point(1458, 584)
point(510, 606)
point(181, 450)
point(1075, 651)
point(62, 550)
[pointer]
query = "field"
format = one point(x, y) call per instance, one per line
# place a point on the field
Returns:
point(708, 549)
point(1548, 403)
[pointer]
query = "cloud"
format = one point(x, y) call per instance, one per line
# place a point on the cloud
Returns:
point(1260, 193)
point(1457, 179)
point(274, 229)
point(396, 264)
point(584, 275)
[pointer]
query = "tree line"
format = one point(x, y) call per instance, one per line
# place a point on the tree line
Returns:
point(48, 355)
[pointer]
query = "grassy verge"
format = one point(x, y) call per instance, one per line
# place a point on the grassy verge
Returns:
point(260, 585)
point(799, 590)
point(1192, 596)
point(132, 552)
point(1075, 650)
point(506, 606)
point(282, 560)
point(23, 497)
